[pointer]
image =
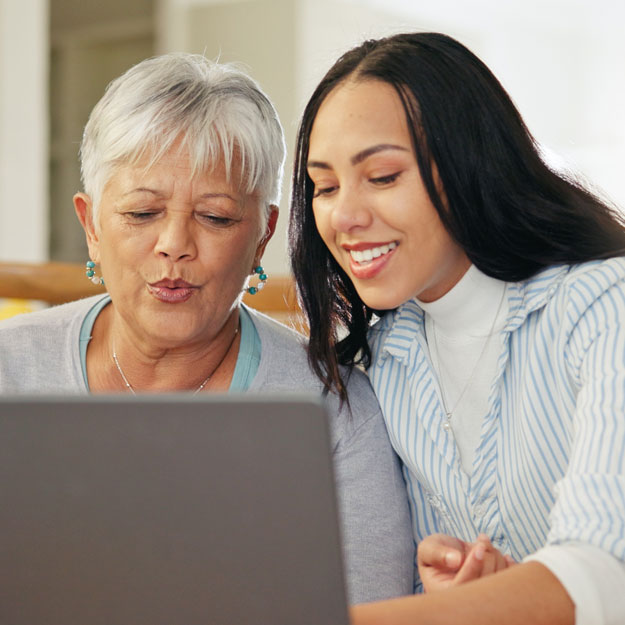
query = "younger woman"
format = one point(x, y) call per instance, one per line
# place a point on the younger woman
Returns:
point(498, 358)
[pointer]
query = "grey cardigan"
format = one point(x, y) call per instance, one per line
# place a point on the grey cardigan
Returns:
point(39, 353)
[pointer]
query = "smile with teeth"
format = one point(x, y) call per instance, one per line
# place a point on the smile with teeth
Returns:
point(365, 256)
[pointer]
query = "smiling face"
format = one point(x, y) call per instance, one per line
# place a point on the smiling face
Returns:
point(174, 249)
point(370, 205)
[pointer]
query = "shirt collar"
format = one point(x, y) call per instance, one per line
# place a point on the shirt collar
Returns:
point(401, 330)
point(530, 295)
point(398, 330)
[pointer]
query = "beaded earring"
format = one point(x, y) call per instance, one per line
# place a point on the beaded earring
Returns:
point(262, 276)
point(90, 273)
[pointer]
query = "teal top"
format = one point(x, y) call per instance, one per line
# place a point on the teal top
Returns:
point(247, 360)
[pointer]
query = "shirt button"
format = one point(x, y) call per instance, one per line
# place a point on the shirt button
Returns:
point(479, 510)
point(434, 501)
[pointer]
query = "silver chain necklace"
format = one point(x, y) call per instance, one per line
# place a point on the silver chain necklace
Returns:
point(437, 369)
point(197, 390)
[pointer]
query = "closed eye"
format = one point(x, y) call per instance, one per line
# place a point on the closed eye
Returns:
point(383, 180)
point(216, 220)
point(141, 215)
point(324, 191)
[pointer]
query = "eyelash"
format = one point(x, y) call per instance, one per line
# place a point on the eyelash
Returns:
point(325, 191)
point(381, 181)
point(215, 220)
point(385, 179)
point(141, 215)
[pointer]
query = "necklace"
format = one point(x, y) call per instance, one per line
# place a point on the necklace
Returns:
point(197, 390)
point(450, 411)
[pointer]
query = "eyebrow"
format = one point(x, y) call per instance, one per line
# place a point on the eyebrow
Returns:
point(154, 192)
point(157, 193)
point(361, 156)
point(208, 196)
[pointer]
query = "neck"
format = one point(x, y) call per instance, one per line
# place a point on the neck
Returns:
point(468, 308)
point(153, 366)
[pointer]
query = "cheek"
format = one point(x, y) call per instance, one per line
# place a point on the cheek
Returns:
point(237, 254)
point(123, 250)
point(322, 221)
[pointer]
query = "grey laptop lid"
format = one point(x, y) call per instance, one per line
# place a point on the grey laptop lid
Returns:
point(162, 509)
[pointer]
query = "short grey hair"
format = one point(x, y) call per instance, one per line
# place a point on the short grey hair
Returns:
point(216, 110)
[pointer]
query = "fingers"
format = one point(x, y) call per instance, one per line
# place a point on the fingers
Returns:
point(482, 560)
point(446, 561)
point(510, 561)
point(439, 557)
point(473, 567)
point(442, 552)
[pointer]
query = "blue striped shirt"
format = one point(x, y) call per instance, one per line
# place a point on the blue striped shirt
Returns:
point(549, 467)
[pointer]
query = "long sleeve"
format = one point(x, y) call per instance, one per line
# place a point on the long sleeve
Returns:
point(373, 504)
point(594, 579)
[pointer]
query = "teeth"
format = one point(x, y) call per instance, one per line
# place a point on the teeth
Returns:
point(373, 252)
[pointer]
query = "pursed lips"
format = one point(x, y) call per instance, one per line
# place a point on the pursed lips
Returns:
point(172, 283)
point(172, 291)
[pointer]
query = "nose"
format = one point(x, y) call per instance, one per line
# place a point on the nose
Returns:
point(349, 211)
point(175, 239)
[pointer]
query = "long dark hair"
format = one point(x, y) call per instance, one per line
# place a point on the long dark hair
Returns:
point(511, 214)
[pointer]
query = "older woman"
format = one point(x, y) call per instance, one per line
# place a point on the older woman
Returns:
point(182, 162)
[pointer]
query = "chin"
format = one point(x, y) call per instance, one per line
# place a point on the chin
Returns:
point(166, 332)
point(381, 300)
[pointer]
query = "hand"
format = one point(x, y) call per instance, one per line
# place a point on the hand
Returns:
point(445, 561)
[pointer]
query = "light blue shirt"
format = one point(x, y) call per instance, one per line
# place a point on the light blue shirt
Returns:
point(549, 467)
point(247, 360)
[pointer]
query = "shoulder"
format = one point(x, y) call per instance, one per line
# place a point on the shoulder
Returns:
point(561, 291)
point(582, 313)
point(56, 318)
point(277, 335)
point(284, 366)
point(284, 360)
point(588, 281)
point(585, 287)
point(37, 348)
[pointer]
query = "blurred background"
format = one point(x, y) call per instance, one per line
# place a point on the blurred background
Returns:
point(561, 60)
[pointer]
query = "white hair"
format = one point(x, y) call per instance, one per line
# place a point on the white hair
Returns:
point(216, 110)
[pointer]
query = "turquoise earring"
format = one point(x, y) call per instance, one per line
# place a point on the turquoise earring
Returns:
point(90, 273)
point(262, 276)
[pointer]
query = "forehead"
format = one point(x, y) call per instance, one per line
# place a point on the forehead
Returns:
point(359, 114)
point(175, 168)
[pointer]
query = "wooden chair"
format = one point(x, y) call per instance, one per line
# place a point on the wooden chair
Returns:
point(57, 283)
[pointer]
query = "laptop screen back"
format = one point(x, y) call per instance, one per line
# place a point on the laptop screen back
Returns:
point(162, 510)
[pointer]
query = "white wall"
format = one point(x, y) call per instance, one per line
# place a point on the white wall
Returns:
point(561, 60)
point(23, 130)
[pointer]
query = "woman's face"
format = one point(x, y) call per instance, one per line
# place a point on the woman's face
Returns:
point(174, 249)
point(370, 205)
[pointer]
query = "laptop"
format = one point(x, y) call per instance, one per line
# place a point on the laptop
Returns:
point(177, 510)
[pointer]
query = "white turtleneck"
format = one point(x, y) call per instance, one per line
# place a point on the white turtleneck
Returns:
point(461, 329)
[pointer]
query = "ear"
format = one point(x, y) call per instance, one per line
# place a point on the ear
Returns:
point(269, 230)
point(84, 211)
